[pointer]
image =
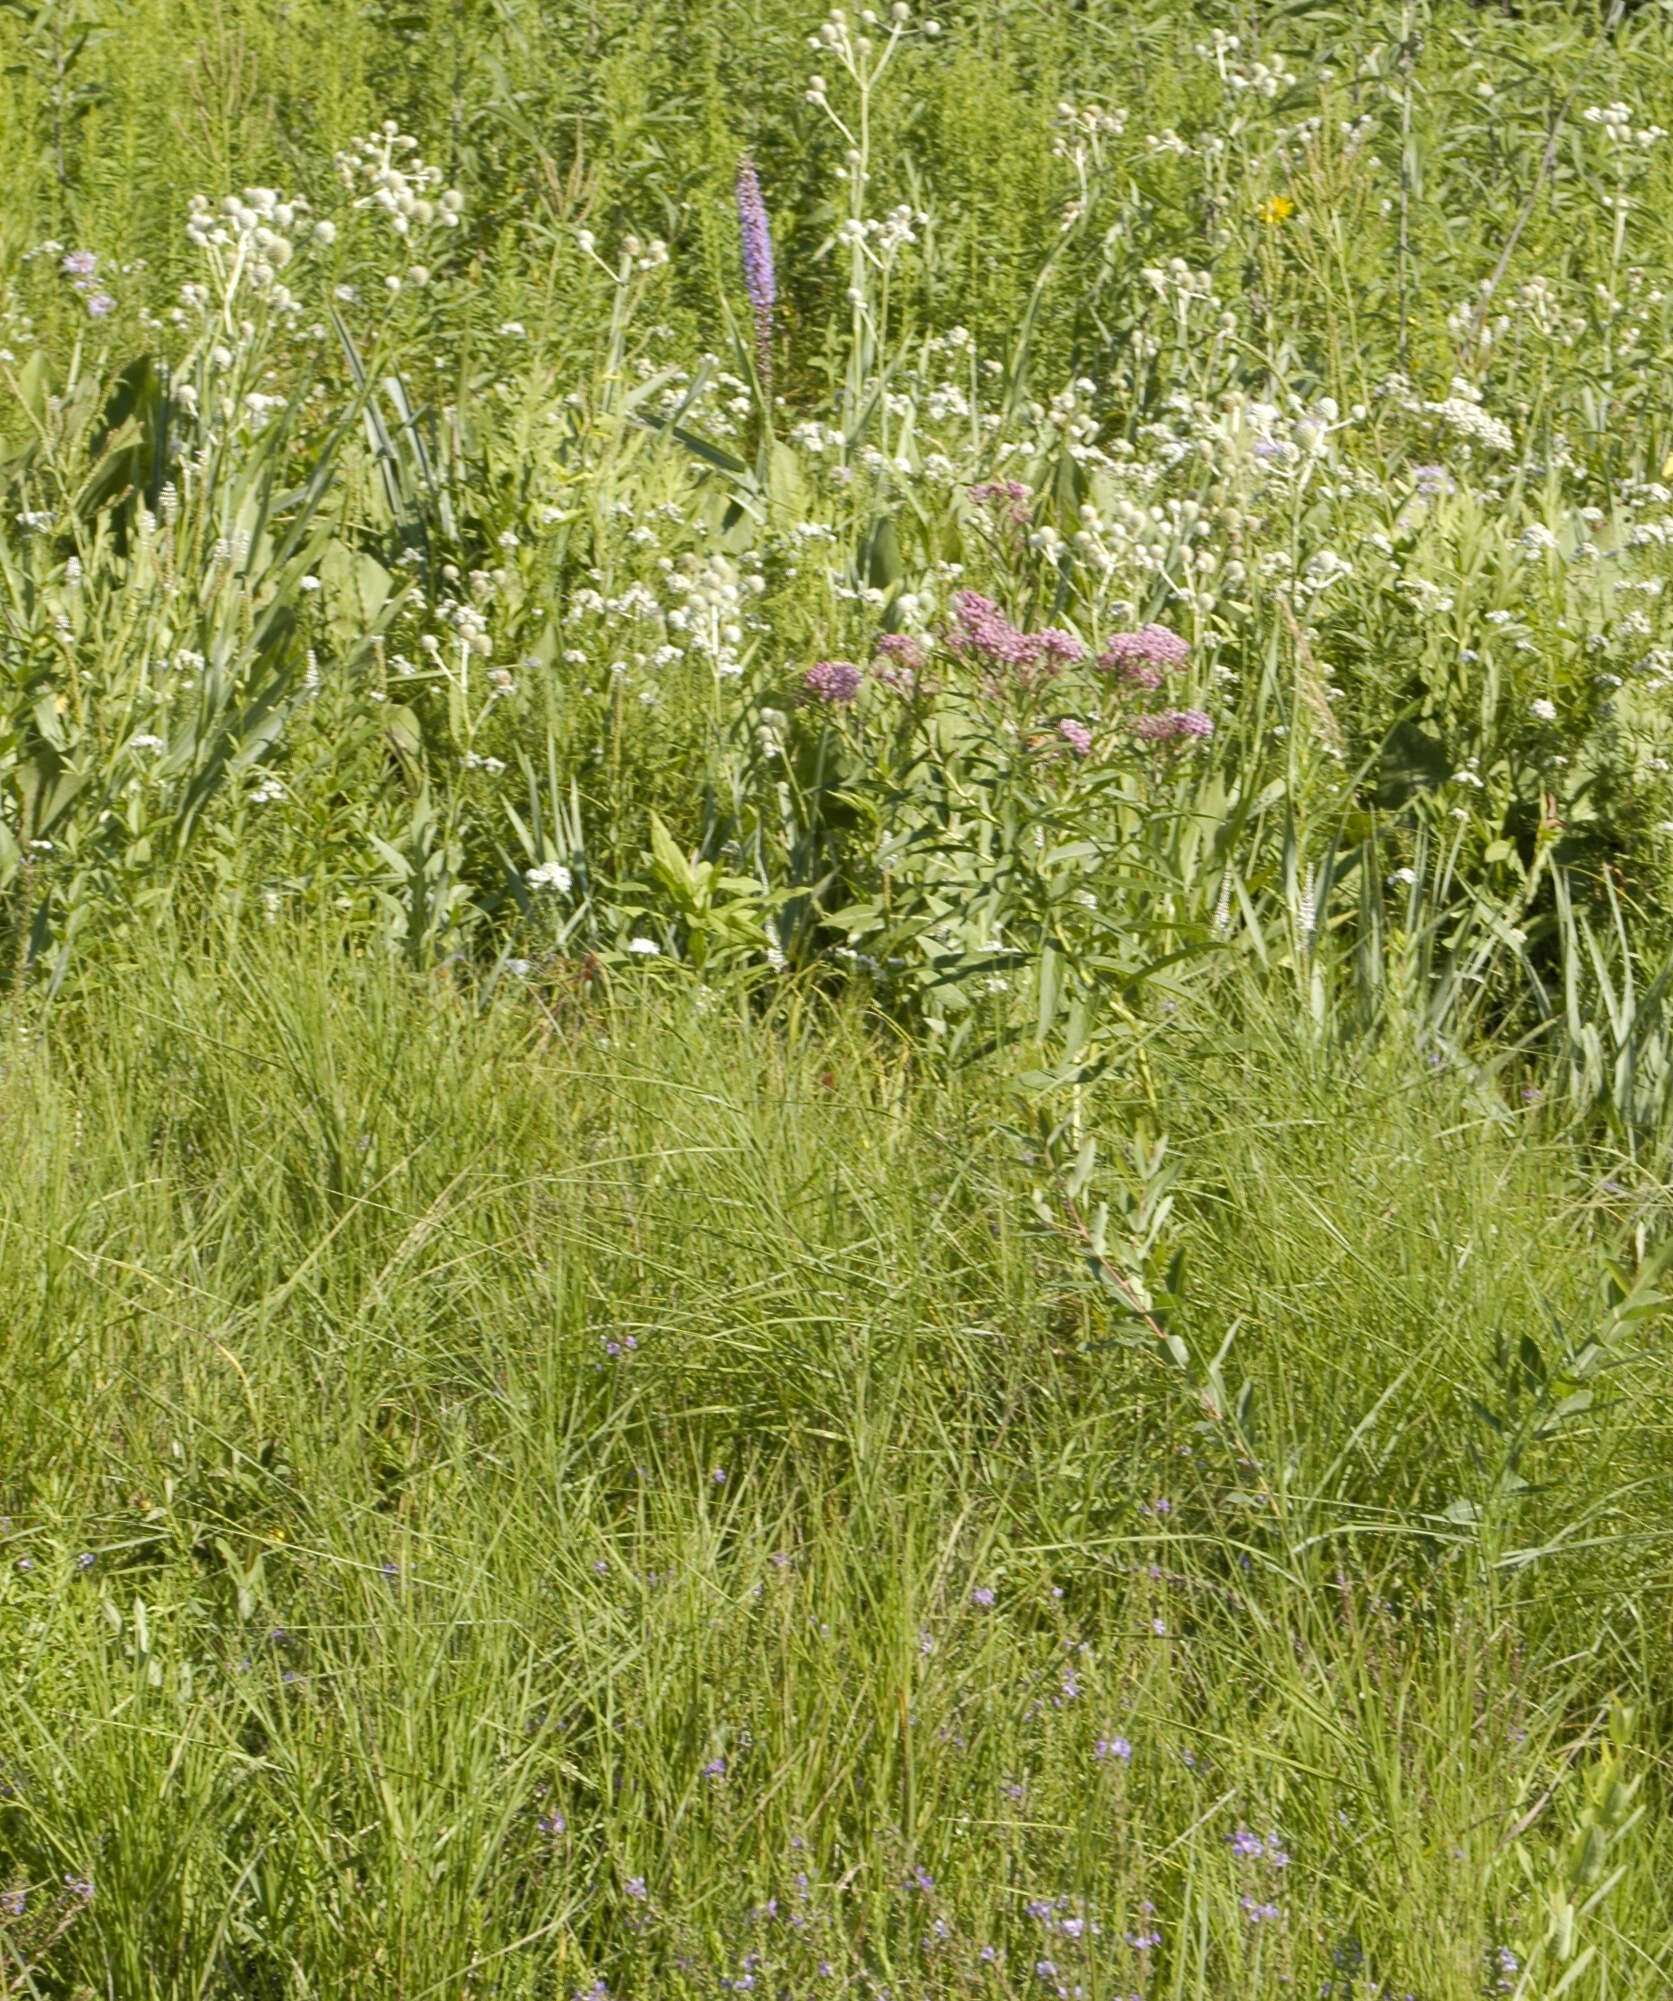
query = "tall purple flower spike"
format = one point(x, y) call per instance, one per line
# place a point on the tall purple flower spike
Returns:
point(755, 240)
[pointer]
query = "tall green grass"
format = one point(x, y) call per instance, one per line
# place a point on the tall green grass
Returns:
point(661, 1338)
point(502, 1498)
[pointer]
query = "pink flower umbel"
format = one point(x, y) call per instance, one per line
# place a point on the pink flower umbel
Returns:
point(1173, 726)
point(833, 681)
point(1141, 659)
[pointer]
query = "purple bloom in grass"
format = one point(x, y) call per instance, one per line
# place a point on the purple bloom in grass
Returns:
point(86, 1560)
point(1246, 1846)
point(80, 1886)
point(715, 1769)
point(982, 1595)
point(755, 241)
point(80, 264)
point(1076, 735)
point(101, 305)
point(552, 1824)
point(834, 681)
point(13, 1903)
point(1173, 726)
point(635, 1888)
point(1259, 1913)
point(1113, 1747)
point(720, 1476)
point(1430, 480)
point(921, 1876)
point(1045, 1969)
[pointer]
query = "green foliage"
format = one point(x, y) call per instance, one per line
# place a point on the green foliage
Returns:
point(837, 1127)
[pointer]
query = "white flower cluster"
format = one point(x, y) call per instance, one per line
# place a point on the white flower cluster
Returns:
point(250, 236)
point(1615, 121)
point(1462, 414)
point(712, 611)
point(400, 186)
point(1265, 79)
point(881, 241)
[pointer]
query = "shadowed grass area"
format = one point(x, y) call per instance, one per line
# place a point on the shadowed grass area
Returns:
point(619, 1488)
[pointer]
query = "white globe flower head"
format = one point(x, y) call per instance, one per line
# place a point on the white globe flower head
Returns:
point(550, 875)
point(1543, 711)
point(644, 948)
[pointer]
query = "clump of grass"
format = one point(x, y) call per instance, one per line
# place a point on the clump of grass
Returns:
point(623, 1491)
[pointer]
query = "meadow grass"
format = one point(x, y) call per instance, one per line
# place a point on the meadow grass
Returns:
point(835, 1105)
point(507, 1498)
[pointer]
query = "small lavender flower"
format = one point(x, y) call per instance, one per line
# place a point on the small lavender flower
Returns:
point(715, 1769)
point(982, 1595)
point(80, 264)
point(833, 681)
point(635, 1888)
point(1259, 1913)
point(101, 305)
point(755, 241)
point(1113, 1747)
point(86, 1560)
point(13, 1903)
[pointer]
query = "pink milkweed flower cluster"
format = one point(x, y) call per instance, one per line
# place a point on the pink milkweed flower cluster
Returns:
point(833, 681)
point(1008, 498)
point(904, 658)
point(1144, 658)
point(1076, 735)
point(1173, 726)
point(982, 631)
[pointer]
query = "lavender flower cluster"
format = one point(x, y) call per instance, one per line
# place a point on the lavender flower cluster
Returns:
point(81, 267)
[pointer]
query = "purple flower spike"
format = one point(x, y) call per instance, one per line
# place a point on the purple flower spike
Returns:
point(755, 241)
point(835, 681)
